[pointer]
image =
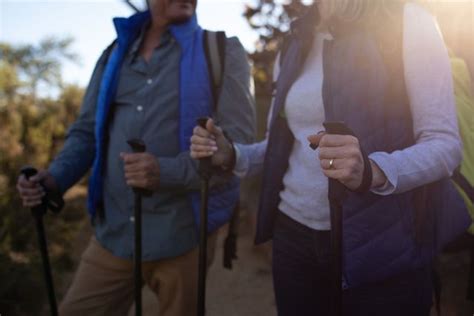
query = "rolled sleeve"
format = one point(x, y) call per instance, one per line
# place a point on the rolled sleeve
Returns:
point(78, 152)
point(179, 172)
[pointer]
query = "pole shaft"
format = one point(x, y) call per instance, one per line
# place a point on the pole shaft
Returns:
point(46, 265)
point(336, 196)
point(336, 242)
point(138, 253)
point(138, 146)
point(203, 248)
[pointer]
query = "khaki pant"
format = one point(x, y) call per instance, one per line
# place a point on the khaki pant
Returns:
point(104, 285)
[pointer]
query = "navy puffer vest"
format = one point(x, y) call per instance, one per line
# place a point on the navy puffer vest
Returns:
point(364, 86)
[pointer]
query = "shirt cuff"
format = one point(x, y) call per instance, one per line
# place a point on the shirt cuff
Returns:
point(60, 178)
point(240, 168)
point(171, 172)
point(389, 168)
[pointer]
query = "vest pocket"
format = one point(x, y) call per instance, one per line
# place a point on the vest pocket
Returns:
point(407, 214)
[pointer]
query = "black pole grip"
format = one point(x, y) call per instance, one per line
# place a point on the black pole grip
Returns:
point(28, 172)
point(41, 209)
point(53, 199)
point(202, 121)
point(137, 145)
point(205, 164)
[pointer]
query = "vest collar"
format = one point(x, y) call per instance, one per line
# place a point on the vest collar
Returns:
point(184, 30)
point(128, 28)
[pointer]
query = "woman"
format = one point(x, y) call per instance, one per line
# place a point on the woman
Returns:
point(382, 68)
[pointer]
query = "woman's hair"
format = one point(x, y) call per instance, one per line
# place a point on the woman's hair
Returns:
point(360, 11)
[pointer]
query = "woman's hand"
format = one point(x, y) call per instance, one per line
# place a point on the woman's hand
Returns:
point(341, 159)
point(211, 142)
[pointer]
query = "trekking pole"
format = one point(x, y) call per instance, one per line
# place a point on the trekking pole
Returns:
point(38, 213)
point(335, 191)
point(205, 169)
point(138, 146)
point(230, 243)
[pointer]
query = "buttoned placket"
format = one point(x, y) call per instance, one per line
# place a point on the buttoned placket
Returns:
point(144, 97)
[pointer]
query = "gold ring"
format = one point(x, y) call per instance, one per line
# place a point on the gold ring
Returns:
point(331, 164)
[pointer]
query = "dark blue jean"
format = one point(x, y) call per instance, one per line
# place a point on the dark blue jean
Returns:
point(302, 276)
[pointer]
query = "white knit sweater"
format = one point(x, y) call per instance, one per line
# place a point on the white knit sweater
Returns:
point(438, 148)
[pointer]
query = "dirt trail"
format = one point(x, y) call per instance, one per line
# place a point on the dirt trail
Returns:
point(247, 289)
point(244, 290)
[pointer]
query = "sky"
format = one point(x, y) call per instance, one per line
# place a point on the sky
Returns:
point(89, 22)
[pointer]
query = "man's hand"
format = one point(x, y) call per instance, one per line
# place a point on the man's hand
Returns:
point(141, 170)
point(31, 192)
point(211, 142)
point(341, 159)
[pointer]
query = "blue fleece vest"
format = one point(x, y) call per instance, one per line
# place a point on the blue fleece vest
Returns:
point(195, 101)
point(364, 87)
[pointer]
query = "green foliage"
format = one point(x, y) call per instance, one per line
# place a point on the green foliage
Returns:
point(32, 130)
point(39, 64)
point(271, 20)
point(19, 280)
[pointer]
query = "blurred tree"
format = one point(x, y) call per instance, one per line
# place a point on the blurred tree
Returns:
point(271, 20)
point(32, 129)
point(456, 20)
point(37, 64)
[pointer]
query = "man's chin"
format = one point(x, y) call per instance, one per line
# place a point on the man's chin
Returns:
point(182, 18)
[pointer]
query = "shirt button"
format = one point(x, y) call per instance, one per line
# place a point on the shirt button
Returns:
point(132, 219)
point(149, 81)
point(139, 108)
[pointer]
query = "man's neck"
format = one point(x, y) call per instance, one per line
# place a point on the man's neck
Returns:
point(152, 38)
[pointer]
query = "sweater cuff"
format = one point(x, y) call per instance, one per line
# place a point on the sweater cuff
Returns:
point(389, 168)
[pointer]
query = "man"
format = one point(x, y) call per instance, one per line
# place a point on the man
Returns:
point(151, 84)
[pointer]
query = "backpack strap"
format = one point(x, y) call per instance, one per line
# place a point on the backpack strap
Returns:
point(214, 48)
point(463, 183)
point(284, 48)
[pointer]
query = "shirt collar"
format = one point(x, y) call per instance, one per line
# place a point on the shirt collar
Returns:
point(135, 47)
